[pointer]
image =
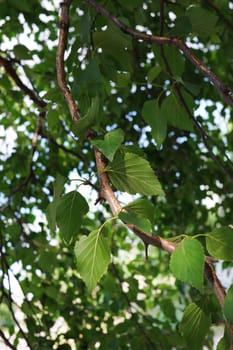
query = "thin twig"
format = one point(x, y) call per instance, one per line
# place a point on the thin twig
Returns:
point(62, 42)
point(6, 341)
point(62, 147)
point(224, 91)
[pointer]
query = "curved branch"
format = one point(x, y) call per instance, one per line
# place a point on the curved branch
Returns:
point(224, 91)
point(107, 194)
point(8, 66)
point(204, 136)
point(62, 42)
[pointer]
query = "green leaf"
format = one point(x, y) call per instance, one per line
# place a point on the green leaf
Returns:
point(70, 211)
point(116, 46)
point(51, 210)
point(228, 305)
point(93, 257)
point(187, 262)
point(139, 221)
point(182, 27)
point(24, 6)
point(175, 60)
point(142, 207)
point(53, 119)
point(153, 115)
point(123, 79)
point(175, 113)
point(192, 88)
point(58, 186)
point(219, 243)
point(88, 81)
point(153, 73)
point(110, 144)
point(85, 27)
point(194, 326)
point(133, 174)
point(86, 122)
point(21, 52)
point(203, 22)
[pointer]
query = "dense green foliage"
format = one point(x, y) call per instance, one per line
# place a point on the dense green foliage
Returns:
point(163, 125)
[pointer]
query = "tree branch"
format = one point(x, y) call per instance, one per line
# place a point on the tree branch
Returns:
point(62, 42)
point(205, 137)
point(62, 147)
point(8, 66)
point(224, 91)
point(107, 194)
point(6, 341)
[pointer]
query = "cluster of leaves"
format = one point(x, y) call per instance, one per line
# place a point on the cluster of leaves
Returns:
point(158, 123)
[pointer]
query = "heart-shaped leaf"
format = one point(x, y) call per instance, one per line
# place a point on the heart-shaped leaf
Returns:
point(194, 326)
point(110, 144)
point(220, 243)
point(93, 257)
point(187, 262)
point(70, 211)
point(130, 173)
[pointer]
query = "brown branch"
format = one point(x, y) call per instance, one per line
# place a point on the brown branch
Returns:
point(6, 341)
point(205, 137)
point(10, 70)
point(219, 292)
point(62, 42)
point(107, 194)
point(224, 91)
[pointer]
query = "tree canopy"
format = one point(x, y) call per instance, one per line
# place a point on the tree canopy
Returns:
point(116, 174)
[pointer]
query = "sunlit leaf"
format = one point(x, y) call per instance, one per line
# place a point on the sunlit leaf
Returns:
point(133, 174)
point(142, 207)
point(93, 257)
point(194, 326)
point(228, 305)
point(139, 221)
point(110, 144)
point(187, 263)
point(219, 243)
